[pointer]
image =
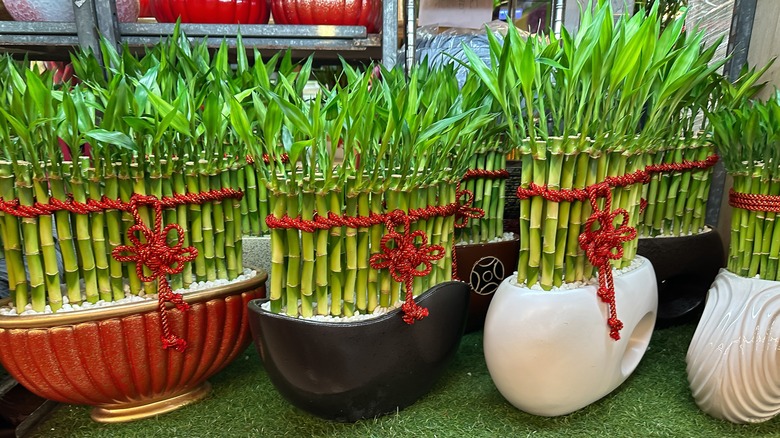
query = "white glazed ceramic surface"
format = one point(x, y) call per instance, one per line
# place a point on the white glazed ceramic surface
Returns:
point(734, 356)
point(62, 10)
point(549, 352)
point(257, 253)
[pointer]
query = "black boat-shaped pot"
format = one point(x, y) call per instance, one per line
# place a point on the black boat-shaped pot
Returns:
point(347, 371)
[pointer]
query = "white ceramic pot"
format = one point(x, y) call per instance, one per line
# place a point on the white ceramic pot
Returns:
point(62, 10)
point(734, 356)
point(549, 352)
point(257, 253)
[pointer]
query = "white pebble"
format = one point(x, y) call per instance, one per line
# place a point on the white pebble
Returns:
point(10, 310)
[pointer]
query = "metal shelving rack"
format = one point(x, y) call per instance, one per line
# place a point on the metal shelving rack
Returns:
point(95, 17)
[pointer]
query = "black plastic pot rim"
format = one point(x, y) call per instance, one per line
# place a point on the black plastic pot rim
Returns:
point(256, 305)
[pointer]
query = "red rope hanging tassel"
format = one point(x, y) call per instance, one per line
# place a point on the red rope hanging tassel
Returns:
point(160, 258)
point(404, 259)
point(603, 244)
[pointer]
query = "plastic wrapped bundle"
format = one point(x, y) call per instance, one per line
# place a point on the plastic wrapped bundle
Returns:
point(445, 46)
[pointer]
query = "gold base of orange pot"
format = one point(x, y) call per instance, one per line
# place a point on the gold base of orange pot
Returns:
point(112, 358)
point(125, 413)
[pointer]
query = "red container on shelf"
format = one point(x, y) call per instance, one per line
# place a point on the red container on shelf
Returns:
point(146, 9)
point(366, 13)
point(211, 11)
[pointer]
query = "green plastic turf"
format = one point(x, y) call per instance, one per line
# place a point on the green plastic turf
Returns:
point(654, 402)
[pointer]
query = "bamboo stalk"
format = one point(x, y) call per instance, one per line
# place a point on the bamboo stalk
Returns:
point(253, 200)
point(549, 236)
point(574, 255)
point(83, 237)
point(180, 188)
point(336, 275)
point(50, 265)
point(375, 237)
point(98, 227)
point(219, 215)
point(230, 209)
point(207, 223)
point(525, 221)
point(125, 192)
point(138, 173)
point(308, 255)
point(12, 242)
point(170, 215)
point(363, 248)
point(321, 264)
point(114, 226)
point(278, 256)
point(350, 253)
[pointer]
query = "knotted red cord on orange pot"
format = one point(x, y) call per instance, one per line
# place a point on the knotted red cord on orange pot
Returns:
point(603, 244)
point(404, 259)
point(160, 258)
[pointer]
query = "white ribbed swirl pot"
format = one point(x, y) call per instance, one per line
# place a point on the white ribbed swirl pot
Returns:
point(549, 353)
point(734, 356)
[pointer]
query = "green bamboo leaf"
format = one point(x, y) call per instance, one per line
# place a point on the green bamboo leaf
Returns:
point(178, 121)
point(299, 120)
point(115, 138)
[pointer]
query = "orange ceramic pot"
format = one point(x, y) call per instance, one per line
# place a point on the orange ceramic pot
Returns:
point(112, 358)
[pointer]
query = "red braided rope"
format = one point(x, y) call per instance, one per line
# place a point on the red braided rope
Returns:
point(95, 206)
point(331, 220)
point(754, 202)
point(604, 244)
point(683, 165)
point(284, 158)
point(161, 259)
point(484, 173)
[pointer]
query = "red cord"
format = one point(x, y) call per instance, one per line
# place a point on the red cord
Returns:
point(487, 174)
point(754, 202)
point(95, 206)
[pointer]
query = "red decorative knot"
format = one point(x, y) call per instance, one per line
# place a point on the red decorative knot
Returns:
point(284, 158)
point(603, 244)
point(754, 202)
point(487, 174)
point(250, 160)
point(160, 258)
point(405, 258)
point(643, 205)
point(465, 210)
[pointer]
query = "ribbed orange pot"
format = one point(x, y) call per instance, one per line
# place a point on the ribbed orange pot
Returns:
point(112, 358)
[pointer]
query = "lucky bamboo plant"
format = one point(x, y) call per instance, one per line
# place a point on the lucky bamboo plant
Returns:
point(747, 137)
point(586, 108)
point(154, 126)
point(486, 175)
point(375, 145)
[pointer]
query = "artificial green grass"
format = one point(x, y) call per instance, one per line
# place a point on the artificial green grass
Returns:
point(654, 402)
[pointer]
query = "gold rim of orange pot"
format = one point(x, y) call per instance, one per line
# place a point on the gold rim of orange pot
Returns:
point(93, 314)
